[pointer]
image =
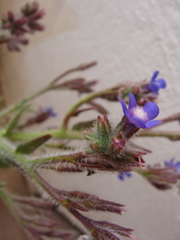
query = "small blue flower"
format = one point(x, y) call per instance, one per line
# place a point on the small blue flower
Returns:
point(50, 111)
point(155, 85)
point(140, 116)
point(171, 163)
point(122, 175)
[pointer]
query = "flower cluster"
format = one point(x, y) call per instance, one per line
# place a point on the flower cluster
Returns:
point(14, 27)
point(144, 91)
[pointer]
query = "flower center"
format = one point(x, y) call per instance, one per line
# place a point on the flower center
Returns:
point(140, 113)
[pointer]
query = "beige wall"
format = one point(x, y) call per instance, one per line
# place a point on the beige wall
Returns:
point(130, 39)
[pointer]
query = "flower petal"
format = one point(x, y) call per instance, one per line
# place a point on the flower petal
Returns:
point(121, 176)
point(154, 76)
point(132, 101)
point(162, 83)
point(154, 87)
point(153, 123)
point(123, 106)
point(169, 163)
point(178, 166)
point(137, 122)
point(128, 174)
point(50, 111)
point(151, 109)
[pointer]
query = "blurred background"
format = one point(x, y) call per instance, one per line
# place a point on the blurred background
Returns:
point(129, 40)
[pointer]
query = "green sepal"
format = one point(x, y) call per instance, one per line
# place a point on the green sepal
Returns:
point(32, 145)
point(14, 121)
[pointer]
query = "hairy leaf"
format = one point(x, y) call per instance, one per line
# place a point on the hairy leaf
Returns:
point(83, 125)
point(32, 145)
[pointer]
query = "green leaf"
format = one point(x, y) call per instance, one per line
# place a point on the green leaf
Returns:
point(2, 184)
point(14, 121)
point(32, 145)
point(83, 125)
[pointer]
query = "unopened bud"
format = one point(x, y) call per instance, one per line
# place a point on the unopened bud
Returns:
point(10, 16)
point(117, 144)
point(87, 65)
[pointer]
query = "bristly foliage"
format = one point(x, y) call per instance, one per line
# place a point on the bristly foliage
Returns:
point(108, 146)
point(161, 177)
point(107, 149)
point(102, 230)
point(35, 216)
point(76, 202)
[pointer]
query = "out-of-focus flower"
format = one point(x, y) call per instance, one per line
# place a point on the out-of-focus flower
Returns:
point(140, 116)
point(78, 84)
point(42, 115)
point(156, 84)
point(161, 177)
point(14, 27)
point(122, 175)
point(50, 111)
point(39, 117)
point(171, 163)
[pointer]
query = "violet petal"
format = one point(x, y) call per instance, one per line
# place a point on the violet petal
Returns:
point(151, 109)
point(153, 123)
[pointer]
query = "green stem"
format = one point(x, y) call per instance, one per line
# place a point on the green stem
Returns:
point(56, 133)
point(81, 102)
point(18, 159)
point(173, 136)
point(72, 134)
point(27, 168)
point(67, 158)
point(16, 106)
point(81, 67)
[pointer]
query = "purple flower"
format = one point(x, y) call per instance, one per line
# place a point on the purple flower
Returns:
point(50, 111)
point(122, 175)
point(171, 163)
point(155, 85)
point(140, 116)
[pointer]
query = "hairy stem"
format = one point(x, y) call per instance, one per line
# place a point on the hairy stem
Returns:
point(55, 133)
point(78, 68)
point(173, 136)
point(16, 106)
point(72, 134)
